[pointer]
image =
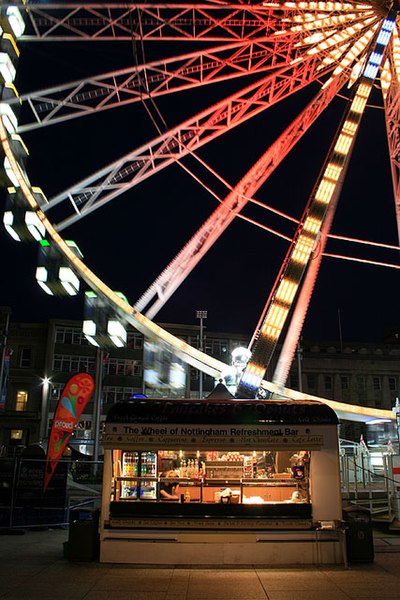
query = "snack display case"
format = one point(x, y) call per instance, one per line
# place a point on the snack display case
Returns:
point(239, 473)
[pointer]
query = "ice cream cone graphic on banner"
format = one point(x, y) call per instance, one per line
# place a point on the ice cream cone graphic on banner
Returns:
point(75, 396)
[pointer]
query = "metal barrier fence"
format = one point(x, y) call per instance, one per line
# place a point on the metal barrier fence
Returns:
point(367, 481)
point(23, 502)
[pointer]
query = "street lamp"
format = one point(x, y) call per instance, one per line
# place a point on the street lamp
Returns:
point(44, 416)
point(201, 314)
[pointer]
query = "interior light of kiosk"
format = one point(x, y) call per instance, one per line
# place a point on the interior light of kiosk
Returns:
point(16, 21)
point(117, 333)
point(7, 69)
point(8, 220)
point(69, 280)
point(34, 225)
point(41, 278)
point(10, 121)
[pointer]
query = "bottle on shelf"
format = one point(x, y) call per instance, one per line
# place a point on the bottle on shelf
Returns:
point(128, 464)
point(183, 468)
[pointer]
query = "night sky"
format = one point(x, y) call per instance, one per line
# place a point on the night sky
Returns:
point(129, 242)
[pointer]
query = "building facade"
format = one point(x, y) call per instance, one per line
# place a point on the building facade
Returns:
point(43, 356)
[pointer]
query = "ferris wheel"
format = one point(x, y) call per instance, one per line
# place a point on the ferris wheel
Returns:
point(256, 56)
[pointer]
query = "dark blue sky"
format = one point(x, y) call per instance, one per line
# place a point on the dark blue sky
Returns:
point(132, 239)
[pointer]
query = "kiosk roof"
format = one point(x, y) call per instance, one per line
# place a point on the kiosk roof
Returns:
point(245, 412)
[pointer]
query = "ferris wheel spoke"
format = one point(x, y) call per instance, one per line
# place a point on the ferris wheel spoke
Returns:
point(185, 261)
point(186, 21)
point(140, 164)
point(117, 88)
point(154, 21)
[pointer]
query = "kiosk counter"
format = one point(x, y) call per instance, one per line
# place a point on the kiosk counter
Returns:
point(221, 482)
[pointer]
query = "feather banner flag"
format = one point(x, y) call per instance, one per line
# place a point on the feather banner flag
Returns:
point(75, 396)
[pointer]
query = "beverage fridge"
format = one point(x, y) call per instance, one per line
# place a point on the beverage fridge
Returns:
point(138, 471)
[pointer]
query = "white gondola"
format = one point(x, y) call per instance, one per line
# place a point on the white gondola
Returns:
point(54, 274)
point(102, 326)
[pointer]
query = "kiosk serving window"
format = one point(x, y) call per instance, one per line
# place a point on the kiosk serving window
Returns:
point(209, 476)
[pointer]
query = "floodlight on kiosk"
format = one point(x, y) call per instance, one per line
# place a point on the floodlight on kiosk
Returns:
point(102, 325)
point(53, 273)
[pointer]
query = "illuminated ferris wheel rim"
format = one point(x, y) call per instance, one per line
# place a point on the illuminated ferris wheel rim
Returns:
point(139, 321)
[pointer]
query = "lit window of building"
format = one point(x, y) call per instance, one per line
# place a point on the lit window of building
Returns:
point(16, 434)
point(22, 400)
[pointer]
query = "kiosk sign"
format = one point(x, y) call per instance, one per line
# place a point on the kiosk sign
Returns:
point(171, 436)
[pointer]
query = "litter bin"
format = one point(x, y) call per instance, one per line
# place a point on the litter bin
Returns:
point(83, 539)
point(359, 538)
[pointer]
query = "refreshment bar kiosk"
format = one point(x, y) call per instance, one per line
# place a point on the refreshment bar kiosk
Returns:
point(221, 482)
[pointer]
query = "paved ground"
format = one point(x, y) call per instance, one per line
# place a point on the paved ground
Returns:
point(32, 567)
